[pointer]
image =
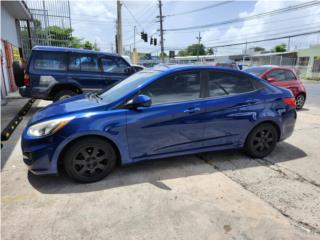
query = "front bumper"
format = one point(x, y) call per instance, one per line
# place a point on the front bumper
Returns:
point(38, 153)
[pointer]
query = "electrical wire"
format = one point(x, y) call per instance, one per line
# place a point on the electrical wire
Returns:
point(199, 9)
point(241, 19)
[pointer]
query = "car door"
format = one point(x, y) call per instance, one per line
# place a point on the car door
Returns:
point(231, 106)
point(279, 77)
point(114, 69)
point(173, 123)
point(85, 70)
point(292, 82)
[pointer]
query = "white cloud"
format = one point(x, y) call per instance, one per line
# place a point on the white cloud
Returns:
point(267, 27)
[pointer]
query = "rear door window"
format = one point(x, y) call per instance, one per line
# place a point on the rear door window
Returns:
point(84, 63)
point(55, 61)
point(289, 75)
point(277, 75)
point(223, 83)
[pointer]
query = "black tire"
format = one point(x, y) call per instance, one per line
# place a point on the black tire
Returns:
point(300, 101)
point(63, 94)
point(261, 141)
point(18, 73)
point(89, 159)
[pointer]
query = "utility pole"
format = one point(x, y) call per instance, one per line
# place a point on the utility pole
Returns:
point(134, 37)
point(199, 41)
point(161, 31)
point(288, 48)
point(119, 28)
point(245, 53)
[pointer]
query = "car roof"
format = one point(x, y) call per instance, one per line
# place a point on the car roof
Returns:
point(181, 67)
point(66, 49)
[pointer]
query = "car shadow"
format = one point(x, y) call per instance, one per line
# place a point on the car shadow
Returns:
point(156, 171)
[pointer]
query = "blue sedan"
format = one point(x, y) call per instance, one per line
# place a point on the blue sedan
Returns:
point(156, 113)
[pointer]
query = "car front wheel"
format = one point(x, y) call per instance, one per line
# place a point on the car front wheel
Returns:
point(89, 159)
point(261, 141)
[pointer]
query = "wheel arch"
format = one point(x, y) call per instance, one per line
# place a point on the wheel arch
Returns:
point(275, 124)
point(59, 157)
point(64, 86)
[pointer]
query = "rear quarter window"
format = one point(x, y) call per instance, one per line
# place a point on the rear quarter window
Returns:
point(55, 61)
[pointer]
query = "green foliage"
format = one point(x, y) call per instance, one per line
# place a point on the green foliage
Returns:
point(57, 36)
point(280, 48)
point(258, 49)
point(210, 51)
point(193, 50)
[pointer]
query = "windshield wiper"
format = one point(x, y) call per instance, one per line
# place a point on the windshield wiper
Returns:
point(95, 94)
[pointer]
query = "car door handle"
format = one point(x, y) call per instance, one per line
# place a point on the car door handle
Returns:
point(192, 110)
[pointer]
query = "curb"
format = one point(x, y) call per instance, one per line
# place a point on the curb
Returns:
point(9, 129)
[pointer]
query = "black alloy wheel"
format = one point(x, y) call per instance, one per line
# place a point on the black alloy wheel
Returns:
point(89, 159)
point(261, 141)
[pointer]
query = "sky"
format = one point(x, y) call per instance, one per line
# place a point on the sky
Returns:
point(94, 20)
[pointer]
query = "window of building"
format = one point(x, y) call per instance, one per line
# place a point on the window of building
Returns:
point(303, 61)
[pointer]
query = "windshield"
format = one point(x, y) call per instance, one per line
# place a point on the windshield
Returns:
point(257, 71)
point(126, 86)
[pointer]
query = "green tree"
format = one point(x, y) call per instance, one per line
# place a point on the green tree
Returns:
point(193, 50)
point(280, 48)
point(258, 49)
point(57, 36)
point(210, 51)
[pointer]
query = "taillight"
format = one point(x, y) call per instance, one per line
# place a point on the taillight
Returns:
point(26, 80)
point(290, 101)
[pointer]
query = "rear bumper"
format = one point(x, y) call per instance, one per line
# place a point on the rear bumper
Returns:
point(38, 93)
point(288, 123)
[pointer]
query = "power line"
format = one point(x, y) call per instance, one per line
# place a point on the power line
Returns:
point(273, 31)
point(132, 15)
point(265, 40)
point(298, 18)
point(241, 19)
point(199, 9)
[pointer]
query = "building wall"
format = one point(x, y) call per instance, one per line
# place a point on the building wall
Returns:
point(8, 28)
point(312, 53)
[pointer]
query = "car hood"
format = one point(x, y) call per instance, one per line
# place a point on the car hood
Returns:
point(80, 103)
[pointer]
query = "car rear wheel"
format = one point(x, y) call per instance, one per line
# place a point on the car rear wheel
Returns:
point(300, 100)
point(63, 94)
point(261, 141)
point(89, 159)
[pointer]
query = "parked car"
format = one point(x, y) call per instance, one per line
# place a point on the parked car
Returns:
point(158, 113)
point(231, 65)
point(55, 73)
point(137, 68)
point(282, 77)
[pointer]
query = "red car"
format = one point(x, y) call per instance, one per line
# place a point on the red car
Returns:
point(281, 77)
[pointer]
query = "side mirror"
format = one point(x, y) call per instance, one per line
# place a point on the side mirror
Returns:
point(271, 79)
point(130, 70)
point(139, 101)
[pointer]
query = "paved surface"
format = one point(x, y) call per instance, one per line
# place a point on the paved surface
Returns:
point(12, 106)
point(223, 195)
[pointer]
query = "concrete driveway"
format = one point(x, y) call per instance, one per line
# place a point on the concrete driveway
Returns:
point(223, 195)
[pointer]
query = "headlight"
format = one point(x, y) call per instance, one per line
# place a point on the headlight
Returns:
point(48, 127)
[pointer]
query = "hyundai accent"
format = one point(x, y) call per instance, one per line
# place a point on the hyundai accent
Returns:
point(156, 113)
